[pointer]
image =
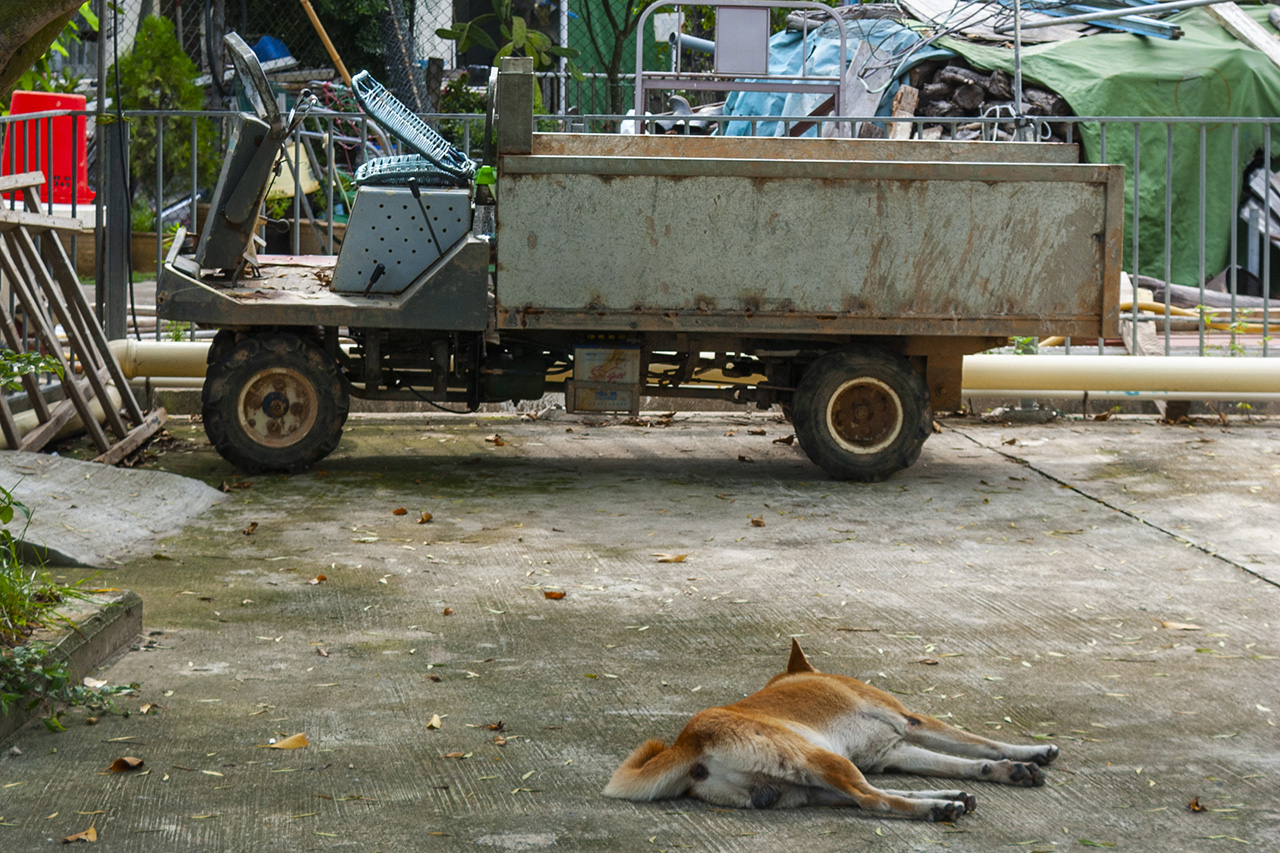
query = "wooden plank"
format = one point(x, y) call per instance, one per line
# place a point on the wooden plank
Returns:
point(904, 106)
point(137, 436)
point(77, 335)
point(37, 222)
point(21, 180)
point(43, 434)
point(35, 316)
point(14, 342)
point(7, 424)
point(1237, 22)
point(64, 272)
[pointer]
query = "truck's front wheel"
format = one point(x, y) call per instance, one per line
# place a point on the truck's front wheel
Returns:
point(862, 414)
point(273, 402)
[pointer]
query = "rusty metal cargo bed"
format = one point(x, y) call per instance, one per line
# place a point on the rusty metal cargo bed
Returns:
point(794, 236)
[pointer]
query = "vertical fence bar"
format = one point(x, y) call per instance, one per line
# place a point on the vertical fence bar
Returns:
point(195, 175)
point(1203, 138)
point(1102, 157)
point(296, 237)
point(1137, 205)
point(1235, 232)
point(328, 185)
point(1266, 240)
point(1168, 235)
point(159, 220)
point(48, 159)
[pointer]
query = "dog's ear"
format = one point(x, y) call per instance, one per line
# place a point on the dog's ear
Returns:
point(798, 662)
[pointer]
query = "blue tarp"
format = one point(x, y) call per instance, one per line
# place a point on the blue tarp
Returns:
point(820, 53)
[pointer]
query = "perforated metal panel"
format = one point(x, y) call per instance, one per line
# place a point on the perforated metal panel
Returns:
point(403, 235)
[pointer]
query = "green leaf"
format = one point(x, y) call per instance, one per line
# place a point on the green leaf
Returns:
point(538, 41)
point(504, 51)
point(519, 32)
point(566, 52)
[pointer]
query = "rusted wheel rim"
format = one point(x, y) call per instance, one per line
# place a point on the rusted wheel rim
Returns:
point(277, 407)
point(864, 415)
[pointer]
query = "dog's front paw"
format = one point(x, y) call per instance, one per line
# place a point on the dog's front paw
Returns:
point(1026, 775)
point(969, 801)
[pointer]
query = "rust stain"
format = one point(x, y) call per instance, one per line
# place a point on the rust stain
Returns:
point(532, 240)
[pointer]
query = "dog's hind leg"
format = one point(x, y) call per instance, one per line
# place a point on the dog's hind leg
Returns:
point(962, 797)
point(934, 734)
point(839, 774)
point(906, 758)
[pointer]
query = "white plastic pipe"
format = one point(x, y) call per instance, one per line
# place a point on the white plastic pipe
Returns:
point(1188, 376)
point(182, 364)
point(160, 358)
point(25, 422)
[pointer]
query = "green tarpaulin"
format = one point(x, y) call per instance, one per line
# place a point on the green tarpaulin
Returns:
point(1206, 73)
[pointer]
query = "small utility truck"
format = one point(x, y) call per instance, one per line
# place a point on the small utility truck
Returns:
point(842, 280)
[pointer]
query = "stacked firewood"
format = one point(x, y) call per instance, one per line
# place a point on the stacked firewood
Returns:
point(955, 91)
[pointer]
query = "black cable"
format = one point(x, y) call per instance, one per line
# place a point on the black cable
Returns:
point(418, 394)
point(124, 165)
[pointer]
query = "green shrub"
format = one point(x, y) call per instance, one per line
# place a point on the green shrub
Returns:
point(157, 75)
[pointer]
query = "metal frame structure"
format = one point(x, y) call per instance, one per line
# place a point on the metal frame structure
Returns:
point(646, 81)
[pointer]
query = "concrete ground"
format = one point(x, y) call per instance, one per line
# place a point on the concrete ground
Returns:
point(1110, 586)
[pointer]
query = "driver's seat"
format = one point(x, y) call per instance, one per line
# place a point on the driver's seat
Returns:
point(251, 155)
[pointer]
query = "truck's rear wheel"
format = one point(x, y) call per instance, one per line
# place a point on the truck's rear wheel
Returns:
point(862, 414)
point(274, 403)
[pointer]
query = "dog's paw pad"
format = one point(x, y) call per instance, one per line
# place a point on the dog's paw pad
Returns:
point(1026, 775)
point(947, 812)
point(1047, 756)
point(969, 801)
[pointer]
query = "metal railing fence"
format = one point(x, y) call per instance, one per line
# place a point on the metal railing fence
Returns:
point(1185, 188)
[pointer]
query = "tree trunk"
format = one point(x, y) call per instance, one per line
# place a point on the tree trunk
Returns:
point(26, 31)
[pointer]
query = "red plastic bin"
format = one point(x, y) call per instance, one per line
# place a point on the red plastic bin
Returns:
point(26, 150)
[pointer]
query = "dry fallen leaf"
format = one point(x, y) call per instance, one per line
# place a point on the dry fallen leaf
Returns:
point(928, 661)
point(1102, 416)
point(318, 579)
point(94, 683)
point(455, 755)
point(1195, 805)
point(671, 558)
point(424, 518)
point(1010, 441)
point(553, 594)
point(253, 525)
point(448, 611)
point(755, 432)
point(786, 439)
point(937, 427)
point(125, 764)
point(291, 742)
point(1179, 626)
point(149, 708)
point(435, 722)
point(495, 440)
point(742, 458)
point(399, 511)
point(499, 741)
point(89, 834)
point(757, 521)
point(322, 653)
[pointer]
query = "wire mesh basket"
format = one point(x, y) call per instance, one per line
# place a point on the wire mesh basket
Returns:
point(398, 170)
point(401, 122)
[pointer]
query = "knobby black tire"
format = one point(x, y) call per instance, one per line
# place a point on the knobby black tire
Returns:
point(295, 375)
point(894, 417)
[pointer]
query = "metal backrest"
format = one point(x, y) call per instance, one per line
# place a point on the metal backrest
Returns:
point(403, 123)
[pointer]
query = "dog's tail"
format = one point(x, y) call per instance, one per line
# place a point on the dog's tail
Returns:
point(653, 771)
